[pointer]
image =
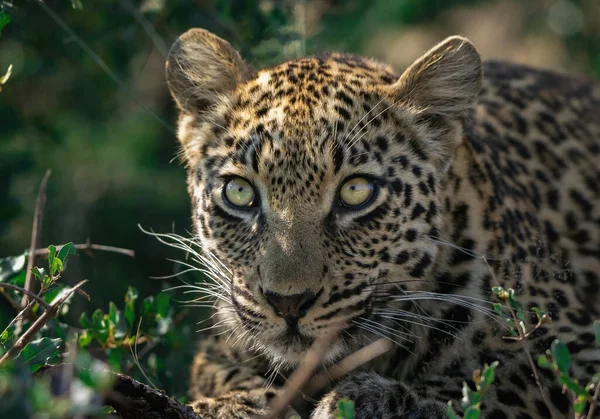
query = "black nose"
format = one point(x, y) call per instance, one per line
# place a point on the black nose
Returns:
point(291, 307)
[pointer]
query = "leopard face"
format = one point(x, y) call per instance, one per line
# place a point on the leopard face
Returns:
point(316, 183)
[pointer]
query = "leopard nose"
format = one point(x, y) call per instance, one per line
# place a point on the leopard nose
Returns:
point(291, 307)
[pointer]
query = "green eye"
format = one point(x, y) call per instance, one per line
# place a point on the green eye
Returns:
point(356, 192)
point(239, 193)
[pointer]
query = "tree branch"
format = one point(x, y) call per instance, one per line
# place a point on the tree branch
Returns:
point(33, 295)
point(39, 323)
point(38, 217)
point(89, 246)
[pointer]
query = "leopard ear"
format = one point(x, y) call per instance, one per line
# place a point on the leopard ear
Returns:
point(201, 68)
point(445, 81)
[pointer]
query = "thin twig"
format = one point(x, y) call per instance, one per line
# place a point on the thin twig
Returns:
point(29, 293)
point(302, 374)
point(90, 246)
point(11, 301)
point(158, 42)
point(594, 403)
point(39, 323)
point(348, 364)
point(38, 217)
point(100, 63)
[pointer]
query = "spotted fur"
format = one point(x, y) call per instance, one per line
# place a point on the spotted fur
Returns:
point(481, 181)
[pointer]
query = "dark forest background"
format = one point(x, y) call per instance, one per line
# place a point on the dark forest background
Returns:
point(87, 99)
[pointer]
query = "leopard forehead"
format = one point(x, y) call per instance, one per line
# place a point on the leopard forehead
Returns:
point(302, 127)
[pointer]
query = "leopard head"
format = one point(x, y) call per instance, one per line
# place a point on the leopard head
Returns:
point(315, 183)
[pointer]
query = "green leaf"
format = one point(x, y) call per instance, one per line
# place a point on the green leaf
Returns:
point(517, 306)
point(51, 258)
point(345, 409)
point(161, 305)
point(56, 267)
point(114, 356)
point(41, 352)
point(5, 19)
point(130, 298)
point(489, 374)
point(39, 273)
point(64, 252)
point(538, 313)
point(100, 326)
point(4, 336)
point(117, 321)
point(543, 362)
point(572, 385)
point(579, 405)
point(561, 356)
point(85, 339)
point(84, 321)
point(450, 412)
point(472, 413)
point(147, 305)
point(597, 331)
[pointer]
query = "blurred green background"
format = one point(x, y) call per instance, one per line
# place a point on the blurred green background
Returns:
point(106, 129)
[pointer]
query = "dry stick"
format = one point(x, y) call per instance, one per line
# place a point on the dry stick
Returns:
point(39, 323)
point(89, 246)
point(38, 217)
point(303, 372)
point(33, 295)
point(594, 403)
point(348, 364)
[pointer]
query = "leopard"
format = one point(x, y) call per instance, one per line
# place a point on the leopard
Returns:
point(335, 198)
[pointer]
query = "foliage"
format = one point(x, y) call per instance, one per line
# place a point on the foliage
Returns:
point(345, 409)
point(558, 359)
point(472, 399)
point(105, 342)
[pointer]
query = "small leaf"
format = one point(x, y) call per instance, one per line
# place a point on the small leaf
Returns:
point(597, 331)
point(161, 305)
point(450, 412)
point(130, 298)
point(489, 373)
point(517, 306)
point(64, 252)
point(561, 355)
point(5, 19)
point(51, 255)
point(543, 362)
point(579, 405)
point(101, 326)
point(114, 356)
point(39, 273)
point(41, 352)
point(117, 321)
point(85, 339)
point(56, 267)
point(147, 305)
point(472, 412)
point(539, 313)
point(345, 409)
point(84, 321)
point(572, 385)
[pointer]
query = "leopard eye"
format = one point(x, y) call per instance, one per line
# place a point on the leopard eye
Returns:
point(356, 192)
point(239, 193)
